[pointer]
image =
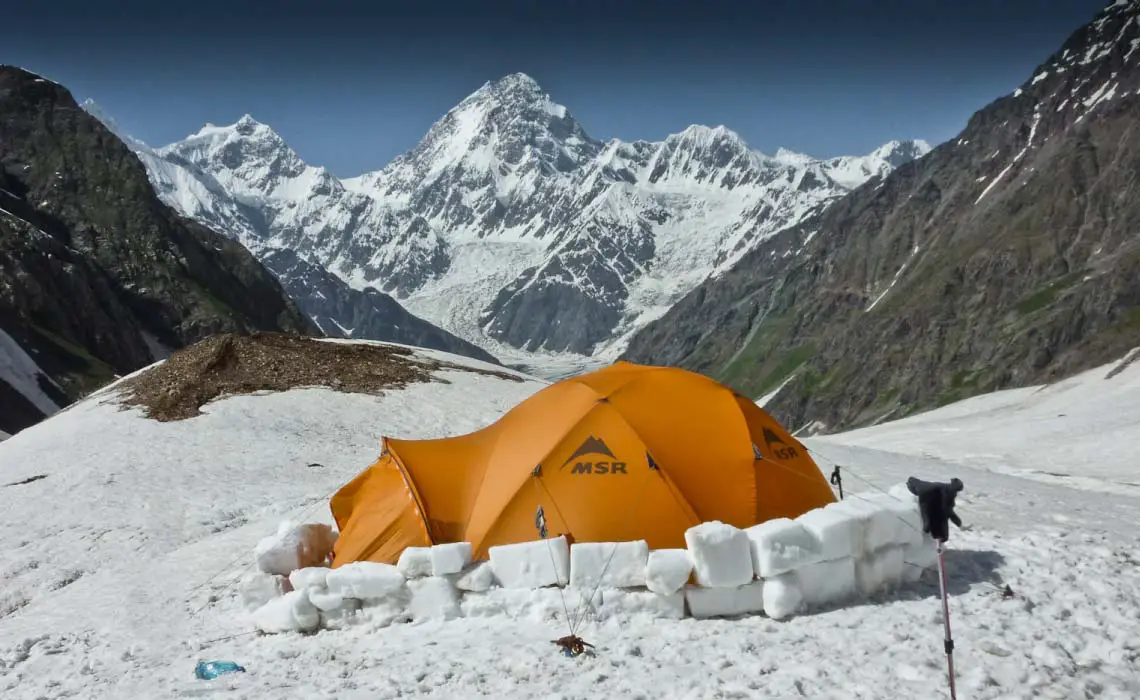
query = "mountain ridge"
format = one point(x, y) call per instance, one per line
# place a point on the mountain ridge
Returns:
point(232, 206)
point(1005, 256)
point(513, 228)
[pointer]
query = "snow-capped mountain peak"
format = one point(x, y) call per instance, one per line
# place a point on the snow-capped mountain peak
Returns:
point(505, 134)
point(252, 160)
point(702, 154)
point(517, 89)
point(785, 156)
point(509, 225)
point(895, 152)
point(852, 171)
point(701, 135)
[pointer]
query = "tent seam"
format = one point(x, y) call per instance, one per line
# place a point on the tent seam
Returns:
point(410, 485)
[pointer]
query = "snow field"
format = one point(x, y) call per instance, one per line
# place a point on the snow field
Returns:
point(117, 594)
point(777, 568)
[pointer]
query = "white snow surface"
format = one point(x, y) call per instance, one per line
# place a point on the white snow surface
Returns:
point(108, 565)
point(1080, 432)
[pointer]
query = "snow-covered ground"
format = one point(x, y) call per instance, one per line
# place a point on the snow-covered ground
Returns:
point(118, 568)
point(1080, 431)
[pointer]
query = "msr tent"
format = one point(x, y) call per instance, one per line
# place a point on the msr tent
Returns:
point(628, 452)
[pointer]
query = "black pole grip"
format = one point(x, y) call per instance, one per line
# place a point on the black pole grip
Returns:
point(936, 502)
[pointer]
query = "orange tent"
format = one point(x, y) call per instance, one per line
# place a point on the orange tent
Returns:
point(628, 452)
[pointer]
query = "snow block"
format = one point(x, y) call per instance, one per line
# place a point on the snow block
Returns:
point(634, 602)
point(832, 529)
point(879, 570)
point(434, 598)
point(907, 504)
point(909, 519)
point(532, 564)
point(872, 526)
point(341, 616)
point(894, 520)
point(722, 555)
point(667, 570)
point(611, 564)
point(782, 596)
point(781, 545)
point(919, 557)
point(828, 582)
point(450, 558)
point(309, 577)
point(724, 601)
point(415, 562)
point(295, 548)
point(291, 612)
point(477, 578)
point(258, 588)
point(327, 602)
point(366, 580)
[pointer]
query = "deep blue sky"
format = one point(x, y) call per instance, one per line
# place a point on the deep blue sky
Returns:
point(352, 84)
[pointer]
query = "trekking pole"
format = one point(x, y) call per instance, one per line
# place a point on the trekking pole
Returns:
point(949, 642)
point(936, 502)
point(837, 481)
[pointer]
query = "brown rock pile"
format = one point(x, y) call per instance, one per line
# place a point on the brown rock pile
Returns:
point(230, 364)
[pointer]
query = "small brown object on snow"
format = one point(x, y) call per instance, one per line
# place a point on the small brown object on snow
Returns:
point(572, 644)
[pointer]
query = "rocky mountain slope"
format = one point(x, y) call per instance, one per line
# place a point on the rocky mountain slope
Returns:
point(97, 276)
point(339, 310)
point(508, 224)
point(1007, 256)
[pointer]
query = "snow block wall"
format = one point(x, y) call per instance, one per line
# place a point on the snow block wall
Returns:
point(845, 551)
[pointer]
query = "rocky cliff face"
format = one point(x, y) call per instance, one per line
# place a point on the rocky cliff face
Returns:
point(1007, 256)
point(97, 276)
point(508, 224)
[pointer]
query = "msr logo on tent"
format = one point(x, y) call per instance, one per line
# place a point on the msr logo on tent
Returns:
point(594, 446)
point(779, 448)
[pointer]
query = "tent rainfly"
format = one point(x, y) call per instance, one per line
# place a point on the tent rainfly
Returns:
point(628, 452)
